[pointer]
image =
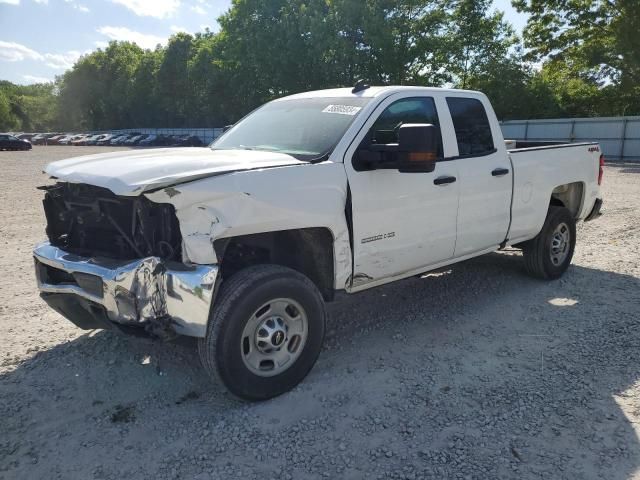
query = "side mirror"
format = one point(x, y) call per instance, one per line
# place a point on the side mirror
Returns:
point(417, 147)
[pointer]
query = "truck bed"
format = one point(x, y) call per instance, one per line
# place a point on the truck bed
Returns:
point(543, 168)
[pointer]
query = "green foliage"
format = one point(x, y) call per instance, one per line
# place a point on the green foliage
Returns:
point(27, 108)
point(588, 52)
point(480, 40)
point(591, 50)
point(97, 91)
point(8, 121)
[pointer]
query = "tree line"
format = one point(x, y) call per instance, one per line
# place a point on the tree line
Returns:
point(575, 59)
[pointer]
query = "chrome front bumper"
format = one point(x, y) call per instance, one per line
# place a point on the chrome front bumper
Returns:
point(145, 292)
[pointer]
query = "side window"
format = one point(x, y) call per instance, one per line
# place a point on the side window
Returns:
point(407, 110)
point(471, 124)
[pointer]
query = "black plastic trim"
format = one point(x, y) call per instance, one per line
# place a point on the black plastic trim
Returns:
point(88, 315)
point(444, 180)
point(473, 155)
point(82, 313)
point(551, 147)
point(500, 172)
point(595, 211)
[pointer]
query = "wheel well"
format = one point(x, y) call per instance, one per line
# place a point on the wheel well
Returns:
point(570, 196)
point(307, 250)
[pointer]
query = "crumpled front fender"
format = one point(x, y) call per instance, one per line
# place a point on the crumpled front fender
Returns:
point(261, 201)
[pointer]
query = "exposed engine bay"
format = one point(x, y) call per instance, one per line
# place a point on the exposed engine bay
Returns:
point(93, 221)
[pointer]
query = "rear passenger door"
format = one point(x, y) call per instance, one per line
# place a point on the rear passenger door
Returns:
point(485, 177)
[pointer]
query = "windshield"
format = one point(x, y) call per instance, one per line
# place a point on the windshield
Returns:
point(305, 128)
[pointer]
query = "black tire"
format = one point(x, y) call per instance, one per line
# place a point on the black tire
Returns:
point(537, 252)
point(236, 303)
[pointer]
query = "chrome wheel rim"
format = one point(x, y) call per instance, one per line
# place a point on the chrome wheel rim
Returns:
point(560, 242)
point(274, 337)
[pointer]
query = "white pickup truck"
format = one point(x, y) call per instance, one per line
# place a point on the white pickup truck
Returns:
point(240, 244)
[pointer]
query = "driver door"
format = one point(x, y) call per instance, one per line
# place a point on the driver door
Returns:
point(402, 222)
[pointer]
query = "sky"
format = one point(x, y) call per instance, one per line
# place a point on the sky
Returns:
point(40, 39)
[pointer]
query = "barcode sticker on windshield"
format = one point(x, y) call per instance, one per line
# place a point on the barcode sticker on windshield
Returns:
point(342, 109)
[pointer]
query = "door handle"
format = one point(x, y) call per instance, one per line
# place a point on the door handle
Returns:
point(500, 172)
point(444, 180)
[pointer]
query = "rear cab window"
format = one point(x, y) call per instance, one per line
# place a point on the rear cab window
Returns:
point(471, 124)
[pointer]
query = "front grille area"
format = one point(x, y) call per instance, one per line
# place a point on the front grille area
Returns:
point(92, 221)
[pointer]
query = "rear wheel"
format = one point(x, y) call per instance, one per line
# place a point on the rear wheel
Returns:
point(549, 254)
point(265, 331)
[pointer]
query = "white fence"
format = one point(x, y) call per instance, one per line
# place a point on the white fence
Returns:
point(619, 137)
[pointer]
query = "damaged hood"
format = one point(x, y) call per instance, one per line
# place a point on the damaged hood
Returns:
point(132, 172)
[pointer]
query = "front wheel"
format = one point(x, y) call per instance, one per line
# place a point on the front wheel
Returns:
point(265, 331)
point(548, 255)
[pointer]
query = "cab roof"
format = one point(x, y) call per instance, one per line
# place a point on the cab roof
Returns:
point(372, 92)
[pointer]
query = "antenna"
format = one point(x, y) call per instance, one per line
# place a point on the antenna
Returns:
point(359, 86)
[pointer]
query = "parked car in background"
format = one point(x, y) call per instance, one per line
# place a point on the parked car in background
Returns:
point(164, 141)
point(157, 141)
point(38, 139)
point(132, 139)
point(10, 142)
point(118, 138)
point(171, 139)
point(50, 138)
point(149, 141)
point(56, 138)
point(114, 138)
point(189, 141)
point(105, 139)
point(128, 137)
point(96, 138)
point(153, 140)
point(178, 139)
point(82, 140)
point(91, 139)
point(69, 139)
point(25, 136)
point(75, 140)
point(135, 140)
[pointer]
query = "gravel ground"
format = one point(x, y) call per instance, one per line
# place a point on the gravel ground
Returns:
point(476, 372)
